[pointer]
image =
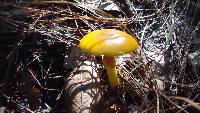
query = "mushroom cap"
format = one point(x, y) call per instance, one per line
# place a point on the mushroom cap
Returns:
point(108, 42)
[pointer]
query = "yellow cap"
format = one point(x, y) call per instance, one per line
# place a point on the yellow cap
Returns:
point(108, 42)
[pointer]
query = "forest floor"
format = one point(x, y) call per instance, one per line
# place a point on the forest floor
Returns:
point(37, 55)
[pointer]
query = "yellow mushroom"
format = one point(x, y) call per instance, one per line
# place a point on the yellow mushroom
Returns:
point(108, 43)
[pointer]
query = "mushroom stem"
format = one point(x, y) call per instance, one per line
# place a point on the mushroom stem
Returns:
point(110, 66)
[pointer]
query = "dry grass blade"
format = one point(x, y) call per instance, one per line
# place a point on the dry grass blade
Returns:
point(195, 105)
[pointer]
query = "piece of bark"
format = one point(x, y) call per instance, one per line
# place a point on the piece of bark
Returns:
point(83, 90)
